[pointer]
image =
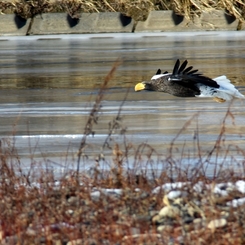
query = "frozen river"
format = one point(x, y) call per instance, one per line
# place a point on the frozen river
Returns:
point(48, 85)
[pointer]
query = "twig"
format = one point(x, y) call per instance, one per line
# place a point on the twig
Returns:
point(93, 116)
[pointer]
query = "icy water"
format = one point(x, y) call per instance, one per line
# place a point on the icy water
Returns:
point(48, 85)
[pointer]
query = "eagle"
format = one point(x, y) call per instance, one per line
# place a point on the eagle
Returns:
point(186, 82)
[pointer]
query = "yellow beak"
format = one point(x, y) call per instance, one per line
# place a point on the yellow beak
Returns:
point(139, 86)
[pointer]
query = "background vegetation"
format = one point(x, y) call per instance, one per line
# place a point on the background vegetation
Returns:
point(136, 9)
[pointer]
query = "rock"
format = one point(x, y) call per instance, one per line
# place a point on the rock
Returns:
point(73, 200)
point(170, 186)
point(166, 228)
point(157, 219)
point(174, 194)
point(10, 240)
point(201, 187)
point(75, 242)
point(223, 188)
point(57, 242)
point(240, 185)
point(229, 216)
point(198, 223)
point(169, 211)
point(220, 200)
point(187, 219)
point(236, 202)
point(152, 213)
point(147, 239)
point(95, 195)
point(142, 218)
point(134, 230)
point(31, 232)
point(217, 223)
point(225, 214)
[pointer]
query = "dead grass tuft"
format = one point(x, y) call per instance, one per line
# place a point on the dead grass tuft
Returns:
point(136, 9)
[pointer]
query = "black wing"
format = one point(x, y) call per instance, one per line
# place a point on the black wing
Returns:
point(182, 74)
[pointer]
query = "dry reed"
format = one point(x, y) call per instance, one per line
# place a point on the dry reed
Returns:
point(136, 9)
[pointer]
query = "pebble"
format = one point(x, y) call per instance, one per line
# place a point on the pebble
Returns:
point(73, 200)
point(31, 232)
point(240, 185)
point(223, 189)
point(217, 223)
point(95, 195)
point(10, 240)
point(236, 202)
point(138, 238)
point(166, 228)
point(169, 211)
point(199, 187)
point(187, 219)
point(198, 223)
point(174, 194)
point(157, 219)
point(75, 242)
point(134, 230)
point(170, 186)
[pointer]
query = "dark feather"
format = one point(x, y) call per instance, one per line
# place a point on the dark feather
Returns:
point(192, 72)
point(158, 72)
point(182, 67)
point(178, 70)
point(187, 69)
point(176, 67)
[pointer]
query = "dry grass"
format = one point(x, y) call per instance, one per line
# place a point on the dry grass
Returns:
point(37, 209)
point(137, 9)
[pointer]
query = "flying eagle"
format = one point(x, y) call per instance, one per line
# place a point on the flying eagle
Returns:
point(186, 82)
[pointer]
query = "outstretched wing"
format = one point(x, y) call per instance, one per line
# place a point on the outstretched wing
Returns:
point(186, 76)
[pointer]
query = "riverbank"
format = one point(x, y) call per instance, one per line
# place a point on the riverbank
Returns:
point(157, 21)
point(78, 17)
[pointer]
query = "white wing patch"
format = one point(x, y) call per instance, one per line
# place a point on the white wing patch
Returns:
point(159, 75)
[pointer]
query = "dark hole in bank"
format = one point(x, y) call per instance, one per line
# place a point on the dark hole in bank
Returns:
point(229, 18)
point(177, 18)
point(72, 21)
point(19, 21)
point(125, 20)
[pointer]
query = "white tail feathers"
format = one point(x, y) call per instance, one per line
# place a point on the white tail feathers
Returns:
point(227, 87)
point(226, 90)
